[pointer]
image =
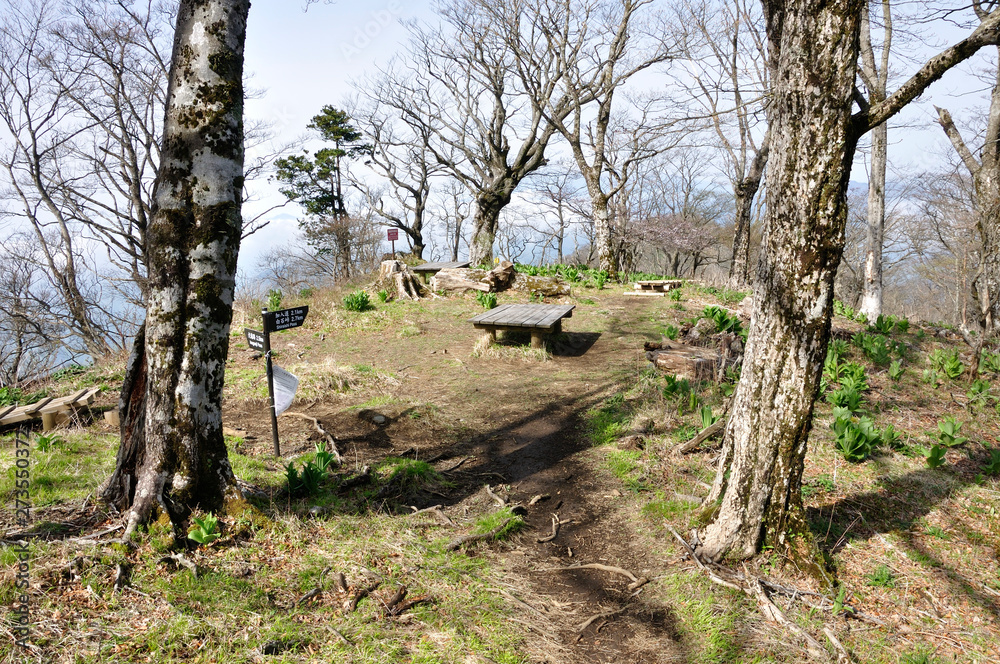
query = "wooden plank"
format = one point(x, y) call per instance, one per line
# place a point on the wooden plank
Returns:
point(442, 265)
point(492, 314)
point(37, 406)
point(6, 410)
point(87, 398)
point(646, 293)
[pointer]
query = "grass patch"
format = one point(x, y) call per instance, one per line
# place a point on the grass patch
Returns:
point(607, 422)
point(68, 471)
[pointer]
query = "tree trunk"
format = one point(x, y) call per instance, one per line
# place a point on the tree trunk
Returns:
point(746, 190)
point(485, 224)
point(757, 488)
point(119, 489)
point(181, 461)
point(606, 256)
point(871, 290)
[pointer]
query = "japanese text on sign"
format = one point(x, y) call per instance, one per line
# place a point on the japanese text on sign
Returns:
point(285, 319)
point(255, 339)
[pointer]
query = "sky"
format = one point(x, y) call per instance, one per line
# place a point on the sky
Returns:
point(302, 60)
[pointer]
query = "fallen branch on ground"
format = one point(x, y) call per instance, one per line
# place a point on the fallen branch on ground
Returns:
point(319, 428)
point(500, 501)
point(555, 529)
point(606, 614)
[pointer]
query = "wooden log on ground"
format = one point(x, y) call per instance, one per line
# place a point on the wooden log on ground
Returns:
point(459, 280)
point(545, 286)
point(501, 277)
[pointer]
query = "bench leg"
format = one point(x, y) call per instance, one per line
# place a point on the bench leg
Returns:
point(489, 336)
point(537, 339)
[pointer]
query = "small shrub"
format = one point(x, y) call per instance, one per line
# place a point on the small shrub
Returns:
point(205, 530)
point(890, 437)
point(671, 332)
point(724, 321)
point(675, 295)
point(935, 456)
point(896, 370)
point(882, 576)
point(883, 324)
point(992, 466)
point(383, 296)
point(989, 362)
point(838, 347)
point(948, 430)
point(855, 438)
point(47, 441)
point(675, 387)
point(273, 299)
point(902, 325)
point(979, 393)
point(486, 300)
point(357, 301)
point(707, 418)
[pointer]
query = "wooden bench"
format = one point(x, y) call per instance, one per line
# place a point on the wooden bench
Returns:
point(540, 319)
point(53, 411)
point(428, 270)
point(654, 287)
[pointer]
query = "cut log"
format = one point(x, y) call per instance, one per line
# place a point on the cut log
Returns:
point(395, 278)
point(501, 277)
point(545, 286)
point(695, 363)
point(459, 280)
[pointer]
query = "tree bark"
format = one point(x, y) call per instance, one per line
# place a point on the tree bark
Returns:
point(193, 242)
point(756, 496)
point(871, 291)
point(758, 485)
point(606, 256)
point(486, 221)
point(746, 190)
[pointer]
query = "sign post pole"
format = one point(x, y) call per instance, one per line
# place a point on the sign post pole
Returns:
point(393, 235)
point(270, 382)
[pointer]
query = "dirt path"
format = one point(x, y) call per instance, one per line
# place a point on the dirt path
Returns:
point(515, 424)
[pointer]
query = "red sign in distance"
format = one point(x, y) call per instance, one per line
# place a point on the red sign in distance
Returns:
point(393, 234)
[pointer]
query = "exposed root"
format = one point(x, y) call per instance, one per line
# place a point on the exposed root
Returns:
point(323, 432)
point(467, 539)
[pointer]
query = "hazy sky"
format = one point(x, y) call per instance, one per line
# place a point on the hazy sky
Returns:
point(305, 59)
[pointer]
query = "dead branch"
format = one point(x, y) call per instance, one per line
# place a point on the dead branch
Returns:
point(436, 511)
point(500, 501)
point(695, 442)
point(326, 436)
point(537, 499)
point(315, 592)
point(461, 541)
point(775, 615)
point(555, 529)
point(359, 594)
point(342, 582)
point(842, 656)
point(597, 566)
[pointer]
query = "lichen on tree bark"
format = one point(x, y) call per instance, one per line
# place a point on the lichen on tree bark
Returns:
point(193, 242)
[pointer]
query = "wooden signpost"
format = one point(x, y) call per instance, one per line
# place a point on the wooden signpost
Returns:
point(275, 321)
point(393, 235)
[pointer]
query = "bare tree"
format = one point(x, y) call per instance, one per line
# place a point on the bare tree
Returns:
point(172, 453)
point(731, 82)
point(400, 157)
point(985, 172)
point(557, 193)
point(757, 489)
point(601, 45)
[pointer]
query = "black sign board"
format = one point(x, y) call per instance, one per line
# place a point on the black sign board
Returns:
point(255, 339)
point(286, 319)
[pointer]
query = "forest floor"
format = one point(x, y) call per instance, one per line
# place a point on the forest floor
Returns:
point(506, 442)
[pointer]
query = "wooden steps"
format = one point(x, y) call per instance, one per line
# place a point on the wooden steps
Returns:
point(52, 410)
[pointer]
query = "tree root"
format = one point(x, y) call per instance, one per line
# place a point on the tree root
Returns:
point(753, 587)
point(323, 432)
point(467, 539)
point(637, 582)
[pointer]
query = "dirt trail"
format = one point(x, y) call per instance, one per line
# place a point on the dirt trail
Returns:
point(514, 423)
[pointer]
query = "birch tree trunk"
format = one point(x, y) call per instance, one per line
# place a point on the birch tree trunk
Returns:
point(758, 486)
point(193, 241)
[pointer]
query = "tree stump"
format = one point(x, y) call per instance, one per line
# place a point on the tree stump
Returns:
point(545, 286)
point(396, 278)
point(695, 363)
